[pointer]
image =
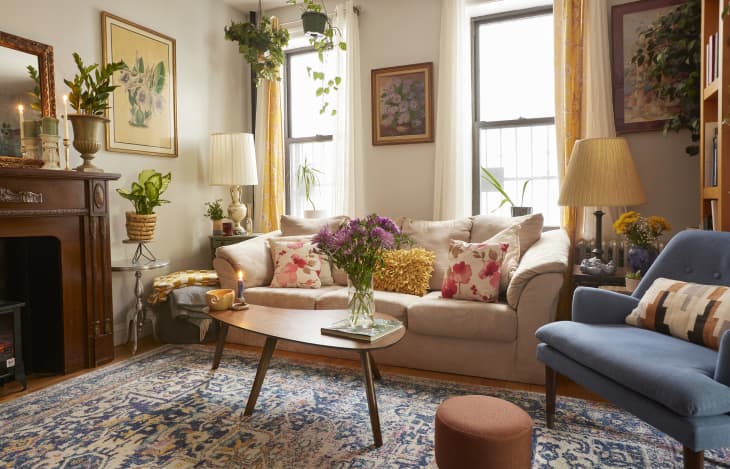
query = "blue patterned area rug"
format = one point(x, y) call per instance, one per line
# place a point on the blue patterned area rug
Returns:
point(166, 409)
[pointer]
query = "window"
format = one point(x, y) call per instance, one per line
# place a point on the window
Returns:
point(514, 106)
point(308, 136)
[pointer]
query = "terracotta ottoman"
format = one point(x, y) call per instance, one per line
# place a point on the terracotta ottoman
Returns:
point(483, 432)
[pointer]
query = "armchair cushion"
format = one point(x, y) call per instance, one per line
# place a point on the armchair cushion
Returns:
point(689, 311)
point(673, 372)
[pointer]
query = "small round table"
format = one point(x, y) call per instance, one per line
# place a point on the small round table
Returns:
point(136, 317)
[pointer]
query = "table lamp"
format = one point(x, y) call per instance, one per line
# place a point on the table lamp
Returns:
point(233, 163)
point(601, 172)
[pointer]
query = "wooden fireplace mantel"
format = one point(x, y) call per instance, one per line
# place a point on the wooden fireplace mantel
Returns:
point(73, 208)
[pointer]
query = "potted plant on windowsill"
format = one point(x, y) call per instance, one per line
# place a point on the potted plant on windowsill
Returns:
point(308, 177)
point(215, 213)
point(632, 280)
point(262, 46)
point(89, 97)
point(145, 196)
point(516, 210)
point(323, 36)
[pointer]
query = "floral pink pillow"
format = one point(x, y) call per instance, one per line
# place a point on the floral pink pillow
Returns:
point(296, 265)
point(474, 270)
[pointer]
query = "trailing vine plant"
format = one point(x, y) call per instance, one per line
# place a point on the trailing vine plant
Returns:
point(668, 58)
point(262, 46)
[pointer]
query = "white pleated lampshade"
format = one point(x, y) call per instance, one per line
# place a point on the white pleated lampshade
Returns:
point(232, 160)
point(601, 172)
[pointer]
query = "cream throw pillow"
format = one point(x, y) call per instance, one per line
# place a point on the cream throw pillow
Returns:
point(296, 265)
point(486, 226)
point(510, 237)
point(295, 226)
point(689, 311)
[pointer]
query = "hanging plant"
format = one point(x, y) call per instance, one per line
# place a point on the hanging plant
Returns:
point(669, 57)
point(323, 37)
point(262, 46)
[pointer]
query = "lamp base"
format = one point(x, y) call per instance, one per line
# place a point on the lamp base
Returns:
point(237, 212)
point(595, 266)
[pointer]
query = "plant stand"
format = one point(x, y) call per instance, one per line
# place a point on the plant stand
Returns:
point(142, 253)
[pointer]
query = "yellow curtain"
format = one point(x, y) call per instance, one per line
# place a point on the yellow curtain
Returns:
point(569, 22)
point(270, 136)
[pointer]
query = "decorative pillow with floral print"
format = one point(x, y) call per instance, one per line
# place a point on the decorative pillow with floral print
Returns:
point(296, 265)
point(474, 270)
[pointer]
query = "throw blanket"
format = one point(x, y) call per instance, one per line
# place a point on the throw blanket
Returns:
point(164, 284)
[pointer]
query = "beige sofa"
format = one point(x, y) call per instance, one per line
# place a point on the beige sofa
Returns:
point(491, 340)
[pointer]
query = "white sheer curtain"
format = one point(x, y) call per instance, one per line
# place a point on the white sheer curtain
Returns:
point(597, 109)
point(348, 124)
point(452, 165)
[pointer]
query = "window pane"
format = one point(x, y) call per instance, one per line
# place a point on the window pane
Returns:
point(525, 152)
point(303, 104)
point(516, 68)
point(319, 155)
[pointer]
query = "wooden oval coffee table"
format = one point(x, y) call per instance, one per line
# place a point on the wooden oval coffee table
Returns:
point(303, 326)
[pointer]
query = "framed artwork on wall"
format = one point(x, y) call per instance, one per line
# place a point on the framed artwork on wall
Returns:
point(402, 104)
point(635, 107)
point(143, 109)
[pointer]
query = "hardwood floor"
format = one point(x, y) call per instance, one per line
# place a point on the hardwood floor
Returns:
point(12, 390)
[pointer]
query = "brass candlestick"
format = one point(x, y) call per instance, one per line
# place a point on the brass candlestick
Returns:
point(66, 144)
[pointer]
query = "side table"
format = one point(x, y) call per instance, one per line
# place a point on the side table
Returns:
point(12, 357)
point(217, 241)
point(136, 317)
point(586, 280)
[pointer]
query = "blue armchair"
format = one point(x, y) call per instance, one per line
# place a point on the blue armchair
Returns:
point(679, 387)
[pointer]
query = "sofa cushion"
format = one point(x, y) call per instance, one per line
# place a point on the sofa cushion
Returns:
point(296, 265)
point(461, 319)
point(295, 298)
point(434, 236)
point(665, 369)
point(404, 271)
point(474, 271)
point(386, 302)
point(295, 226)
point(510, 237)
point(486, 226)
point(689, 311)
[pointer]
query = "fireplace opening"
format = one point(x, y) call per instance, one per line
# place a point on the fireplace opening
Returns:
point(30, 271)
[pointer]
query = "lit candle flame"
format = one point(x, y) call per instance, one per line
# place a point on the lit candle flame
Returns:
point(240, 275)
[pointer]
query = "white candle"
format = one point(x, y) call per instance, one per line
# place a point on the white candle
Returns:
point(20, 118)
point(65, 116)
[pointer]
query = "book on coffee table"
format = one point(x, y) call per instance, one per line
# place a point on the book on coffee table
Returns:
point(381, 328)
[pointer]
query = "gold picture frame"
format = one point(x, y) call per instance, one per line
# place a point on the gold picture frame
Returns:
point(402, 104)
point(143, 109)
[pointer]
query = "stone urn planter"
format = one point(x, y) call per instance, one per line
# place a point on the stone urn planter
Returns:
point(88, 137)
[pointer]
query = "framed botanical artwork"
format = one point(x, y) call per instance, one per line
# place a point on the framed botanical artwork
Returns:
point(635, 107)
point(402, 104)
point(143, 109)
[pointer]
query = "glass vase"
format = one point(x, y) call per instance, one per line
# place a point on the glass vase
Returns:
point(361, 301)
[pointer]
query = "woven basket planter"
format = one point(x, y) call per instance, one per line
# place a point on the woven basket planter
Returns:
point(141, 227)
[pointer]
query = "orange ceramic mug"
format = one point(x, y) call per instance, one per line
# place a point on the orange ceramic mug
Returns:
point(219, 300)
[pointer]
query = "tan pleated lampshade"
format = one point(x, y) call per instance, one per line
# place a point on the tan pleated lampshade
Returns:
point(601, 172)
point(232, 160)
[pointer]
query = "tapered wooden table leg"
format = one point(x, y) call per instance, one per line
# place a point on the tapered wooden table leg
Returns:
point(370, 391)
point(222, 333)
point(374, 366)
point(260, 374)
point(551, 394)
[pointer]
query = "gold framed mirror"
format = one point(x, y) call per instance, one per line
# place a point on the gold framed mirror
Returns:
point(44, 55)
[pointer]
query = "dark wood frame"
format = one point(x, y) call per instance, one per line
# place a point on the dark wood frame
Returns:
point(105, 17)
point(427, 69)
point(617, 67)
point(44, 53)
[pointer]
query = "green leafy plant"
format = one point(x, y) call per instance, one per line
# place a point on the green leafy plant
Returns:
point(262, 46)
point(35, 93)
point(635, 275)
point(214, 210)
point(91, 87)
point(308, 176)
point(489, 177)
point(330, 38)
point(668, 58)
point(145, 193)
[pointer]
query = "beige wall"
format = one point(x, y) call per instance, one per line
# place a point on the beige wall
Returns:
point(212, 95)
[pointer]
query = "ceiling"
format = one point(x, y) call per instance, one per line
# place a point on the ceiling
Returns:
point(252, 5)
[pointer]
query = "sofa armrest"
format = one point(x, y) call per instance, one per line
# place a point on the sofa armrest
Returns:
point(548, 255)
point(722, 368)
point(596, 306)
point(252, 256)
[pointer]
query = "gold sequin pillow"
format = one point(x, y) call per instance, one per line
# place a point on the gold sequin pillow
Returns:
point(405, 271)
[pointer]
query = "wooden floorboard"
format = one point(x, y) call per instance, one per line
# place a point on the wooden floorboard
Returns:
point(12, 390)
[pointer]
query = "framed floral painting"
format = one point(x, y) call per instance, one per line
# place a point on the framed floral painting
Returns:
point(143, 108)
point(635, 107)
point(402, 104)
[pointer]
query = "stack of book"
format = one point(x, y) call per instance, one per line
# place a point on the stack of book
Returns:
point(381, 328)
